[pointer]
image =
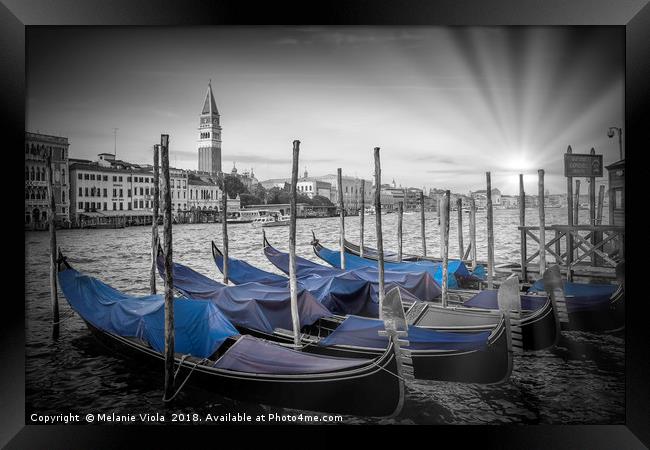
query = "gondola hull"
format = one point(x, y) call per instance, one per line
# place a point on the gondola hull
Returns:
point(368, 391)
point(606, 318)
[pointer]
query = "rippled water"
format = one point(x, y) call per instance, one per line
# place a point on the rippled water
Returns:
point(580, 381)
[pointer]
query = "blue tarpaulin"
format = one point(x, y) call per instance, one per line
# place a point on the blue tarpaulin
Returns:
point(340, 293)
point(488, 299)
point(254, 355)
point(200, 328)
point(364, 332)
point(457, 269)
point(413, 286)
point(582, 296)
point(250, 305)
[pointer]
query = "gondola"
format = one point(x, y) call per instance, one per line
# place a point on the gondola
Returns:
point(589, 306)
point(215, 356)
point(479, 351)
point(536, 314)
point(459, 275)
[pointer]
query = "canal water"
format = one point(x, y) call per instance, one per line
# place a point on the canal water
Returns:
point(581, 381)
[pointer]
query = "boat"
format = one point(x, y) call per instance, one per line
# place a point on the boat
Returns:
point(477, 352)
point(535, 313)
point(272, 221)
point(459, 274)
point(589, 306)
point(211, 353)
point(243, 216)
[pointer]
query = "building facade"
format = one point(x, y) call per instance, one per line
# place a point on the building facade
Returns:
point(351, 191)
point(203, 192)
point(209, 142)
point(37, 201)
point(108, 188)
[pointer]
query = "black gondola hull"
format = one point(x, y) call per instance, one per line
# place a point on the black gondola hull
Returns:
point(608, 318)
point(370, 391)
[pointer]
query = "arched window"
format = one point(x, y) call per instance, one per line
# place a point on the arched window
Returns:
point(43, 174)
point(38, 175)
point(32, 195)
point(26, 173)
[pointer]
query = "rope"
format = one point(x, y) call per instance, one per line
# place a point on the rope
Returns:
point(180, 364)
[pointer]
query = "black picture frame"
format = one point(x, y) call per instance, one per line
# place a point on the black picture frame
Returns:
point(634, 15)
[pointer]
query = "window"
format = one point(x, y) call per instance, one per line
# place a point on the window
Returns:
point(105, 192)
point(81, 205)
point(121, 192)
point(92, 177)
point(80, 192)
point(141, 204)
point(146, 204)
point(114, 206)
point(114, 178)
point(86, 192)
point(87, 206)
point(183, 194)
point(105, 177)
point(63, 176)
point(128, 206)
point(618, 199)
point(128, 179)
point(120, 179)
point(121, 206)
point(62, 196)
point(63, 209)
point(86, 176)
point(141, 191)
point(128, 192)
point(104, 206)
point(141, 179)
point(79, 176)
point(114, 193)
point(92, 206)
point(146, 191)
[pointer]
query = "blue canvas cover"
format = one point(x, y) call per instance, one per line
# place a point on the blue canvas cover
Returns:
point(339, 292)
point(457, 269)
point(200, 328)
point(582, 296)
point(413, 286)
point(364, 332)
point(251, 305)
point(258, 356)
point(488, 299)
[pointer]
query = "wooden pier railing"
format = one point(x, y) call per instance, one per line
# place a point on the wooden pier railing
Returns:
point(592, 249)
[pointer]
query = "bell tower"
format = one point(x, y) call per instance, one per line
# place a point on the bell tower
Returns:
point(209, 142)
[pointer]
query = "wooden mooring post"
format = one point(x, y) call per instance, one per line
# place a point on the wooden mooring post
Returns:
point(461, 248)
point(169, 280)
point(542, 223)
point(576, 204)
point(362, 215)
point(400, 218)
point(522, 223)
point(472, 231)
point(490, 231)
point(339, 180)
point(569, 201)
point(444, 243)
point(422, 225)
point(293, 283)
point(154, 218)
point(380, 239)
point(51, 223)
point(224, 226)
point(598, 235)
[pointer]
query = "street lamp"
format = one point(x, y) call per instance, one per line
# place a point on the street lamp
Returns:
point(610, 134)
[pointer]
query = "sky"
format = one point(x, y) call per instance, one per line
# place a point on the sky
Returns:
point(444, 104)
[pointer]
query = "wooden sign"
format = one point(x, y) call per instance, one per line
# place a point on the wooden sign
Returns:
point(583, 165)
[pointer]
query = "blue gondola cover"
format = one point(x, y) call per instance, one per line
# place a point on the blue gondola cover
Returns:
point(582, 296)
point(200, 328)
point(364, 332)
point(251, 305)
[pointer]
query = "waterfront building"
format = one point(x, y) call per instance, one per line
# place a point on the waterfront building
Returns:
point(616, 178)
point(351, 191)
point(209, 142)
point(312, 187)
point(510, 201)
point(37, 201)
point(110, 188)
point(246, 177)
point(480, 197)
point(204, 193)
